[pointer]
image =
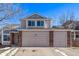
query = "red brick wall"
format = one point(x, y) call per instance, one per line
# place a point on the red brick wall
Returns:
point(20, 39)
point(75, 43)
point(51, 38)
point(68, 39)
point(11, 38)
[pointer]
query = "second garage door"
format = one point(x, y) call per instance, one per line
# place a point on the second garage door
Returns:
point(35, 38)
point(60, 39)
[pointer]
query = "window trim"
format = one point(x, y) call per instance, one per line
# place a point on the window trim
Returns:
point(40, 21)
point(32, 22)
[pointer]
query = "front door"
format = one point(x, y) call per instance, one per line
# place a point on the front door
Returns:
point(14, 39)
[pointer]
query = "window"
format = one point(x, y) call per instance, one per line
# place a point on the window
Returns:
point(6, 38)
point(40, 23)
point(77, 36)
point(31, 23)
point(77, 27)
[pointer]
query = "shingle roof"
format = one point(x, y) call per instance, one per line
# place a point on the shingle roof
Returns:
point(36, 16)
point(67, 22)
point(71, 21)
point(11, 26)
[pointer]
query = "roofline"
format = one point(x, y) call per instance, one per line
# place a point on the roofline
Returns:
point(32, 14)
point(46, 30)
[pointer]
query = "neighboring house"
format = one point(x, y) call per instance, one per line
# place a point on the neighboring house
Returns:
point(36, 31)
point(70, 24)
point(5, 33)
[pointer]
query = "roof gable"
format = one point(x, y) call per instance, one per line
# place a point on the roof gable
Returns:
point(71, 21)
point(36, 16)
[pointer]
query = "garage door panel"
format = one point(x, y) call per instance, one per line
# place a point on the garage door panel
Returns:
point(60, 39)
point(35, 38)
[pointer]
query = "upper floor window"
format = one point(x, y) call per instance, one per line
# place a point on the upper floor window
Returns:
point(31, 23)
point(40, 23)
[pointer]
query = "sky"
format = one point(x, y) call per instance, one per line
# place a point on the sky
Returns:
point(50, 10)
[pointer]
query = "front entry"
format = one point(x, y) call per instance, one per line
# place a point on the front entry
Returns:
point(14, 39)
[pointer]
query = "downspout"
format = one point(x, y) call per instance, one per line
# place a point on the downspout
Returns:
point(2, 36)
point(70, 39)
point(74, 36)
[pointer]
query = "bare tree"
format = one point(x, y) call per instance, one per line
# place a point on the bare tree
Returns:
point(7, 11)
point(72, 16)
point(63, 18)
point(66, 16)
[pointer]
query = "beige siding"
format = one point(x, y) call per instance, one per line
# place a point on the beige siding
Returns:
point(23, 24)
point(47, 23)
point(60, 39)
point(37, 38)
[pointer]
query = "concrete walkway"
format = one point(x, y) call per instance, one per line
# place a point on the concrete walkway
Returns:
point(13, 52)
point(9, 52)
point(6, 48)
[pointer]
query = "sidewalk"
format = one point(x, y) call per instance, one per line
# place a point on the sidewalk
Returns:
point(6, 48)
point(6, 52)
point(9, 52)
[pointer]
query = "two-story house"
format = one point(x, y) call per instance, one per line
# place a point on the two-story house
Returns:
point(36, 31)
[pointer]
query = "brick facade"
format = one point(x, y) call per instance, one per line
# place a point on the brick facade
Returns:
point(51, 38)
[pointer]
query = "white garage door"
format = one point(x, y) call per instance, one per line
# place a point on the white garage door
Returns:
point(60, 39)
point(40, 38)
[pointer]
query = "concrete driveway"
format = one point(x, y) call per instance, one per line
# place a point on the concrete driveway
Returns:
point(42, 51)
point(74, 51)
point(37, 51)
point(47, 51)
